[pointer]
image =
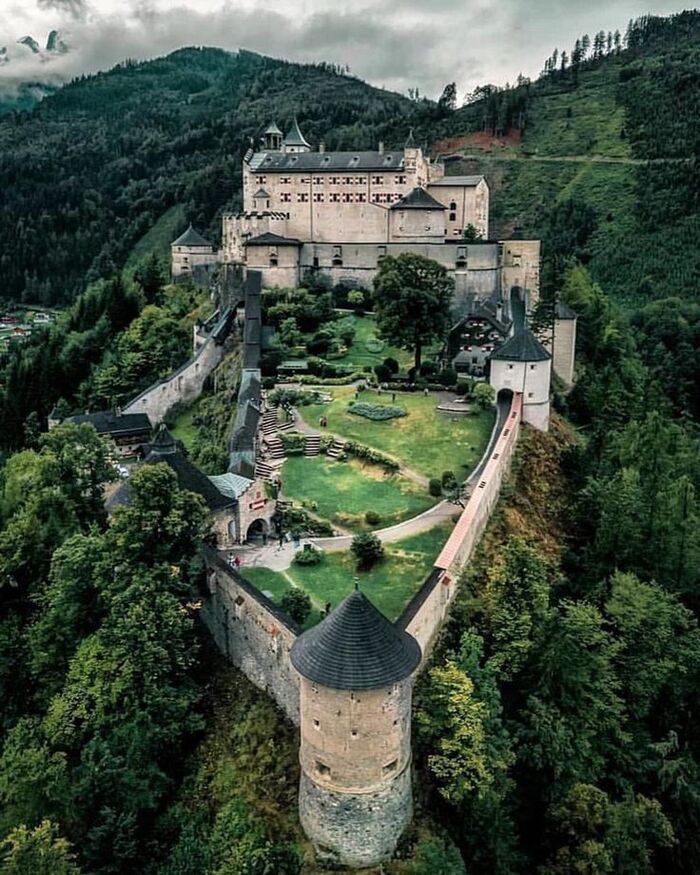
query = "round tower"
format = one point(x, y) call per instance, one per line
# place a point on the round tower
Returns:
point(355, 796)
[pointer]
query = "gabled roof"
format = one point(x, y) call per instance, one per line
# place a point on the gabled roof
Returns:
point(417, 199)
point(231, 485)
point(190, 238)
point(466, 181)
point(270, 239)
point(109, 422)
point(355, 648)
point(295, 137)
point(261, 193)
point(281, 162)
point(523, 346)
point(563, 311)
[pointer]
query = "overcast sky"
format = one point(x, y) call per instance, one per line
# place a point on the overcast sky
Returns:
point(398, 44)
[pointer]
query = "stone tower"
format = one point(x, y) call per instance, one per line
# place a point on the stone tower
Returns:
point(523, 365)
point(355, 716)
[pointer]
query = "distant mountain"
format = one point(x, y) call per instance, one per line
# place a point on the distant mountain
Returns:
point(20, 95)
point(573, 158)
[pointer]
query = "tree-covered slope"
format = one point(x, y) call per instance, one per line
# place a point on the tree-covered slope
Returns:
point(93, 167)
point(619, 136)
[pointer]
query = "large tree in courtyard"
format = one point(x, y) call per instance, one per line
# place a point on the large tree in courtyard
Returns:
point(412, 297)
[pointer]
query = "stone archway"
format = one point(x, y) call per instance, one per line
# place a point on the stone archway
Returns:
point(258, 531)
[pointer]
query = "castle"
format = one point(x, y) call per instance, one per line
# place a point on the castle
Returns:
point(338, 214)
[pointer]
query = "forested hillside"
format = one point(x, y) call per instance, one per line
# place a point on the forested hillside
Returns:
point(610, 144)
point(93, 168)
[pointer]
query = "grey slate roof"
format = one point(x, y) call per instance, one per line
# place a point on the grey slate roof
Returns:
point(563, 311)
point(273, 129)
point(190, 477)
point(295, 137)
point(279, 162)
point(109, 422)
point(270, 239)
point(417, 199)
point(467, 181)
point(523, 346)
point(190, 238)
point(355, 648)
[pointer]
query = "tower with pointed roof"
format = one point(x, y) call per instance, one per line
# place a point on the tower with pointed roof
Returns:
point(272, 138)
point(523, 365)
point(189, 251)
point(355, 687)
point(295, 141)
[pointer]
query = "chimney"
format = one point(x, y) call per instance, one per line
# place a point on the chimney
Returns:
point(380, 148)
point(321, 146)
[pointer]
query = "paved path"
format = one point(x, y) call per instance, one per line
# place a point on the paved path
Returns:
point(430, 518)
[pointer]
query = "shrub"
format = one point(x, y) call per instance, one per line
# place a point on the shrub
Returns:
point(435, 487)
point(391, 364)
point(383, 373)
point(427, 369)
point(374, 344)
point(318, 345)
point(295, 602)
point(367, 369)
point(448, 377)
point(371, 455)
point(367, 549)
point(462, 388)
point(372, 518)
point(308, 556)
point(484, 395)
point(309, 380)
point(296, 520)
point(448, 479)
point(376, 412)
point(268, 383)
point(292, 441)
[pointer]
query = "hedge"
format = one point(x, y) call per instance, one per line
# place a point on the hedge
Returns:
point(371, 455)
point(376, 412)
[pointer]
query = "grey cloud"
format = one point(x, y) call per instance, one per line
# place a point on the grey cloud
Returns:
point(74, 8)
point(407, 43)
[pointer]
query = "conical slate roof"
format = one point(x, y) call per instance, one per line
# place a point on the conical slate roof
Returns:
point(295, 137)
point(273, 129)
point(191, 238)
point(523, 346)
point(163, 442)
point(417, 199)
point(355, 648)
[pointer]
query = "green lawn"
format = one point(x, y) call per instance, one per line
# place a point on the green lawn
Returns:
point(426, 441)
point(184, 429)
point(359, 356)
point(344, 491)
point(389, 586)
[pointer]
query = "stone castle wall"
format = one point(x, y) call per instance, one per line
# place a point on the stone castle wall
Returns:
point(184, 385)
point(252, 632)
point(426, 612)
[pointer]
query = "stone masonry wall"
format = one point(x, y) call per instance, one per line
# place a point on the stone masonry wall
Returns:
point(425, 614)
point(252, 633)
point(184, 385)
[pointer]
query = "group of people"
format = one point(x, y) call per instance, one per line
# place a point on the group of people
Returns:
point(323, 421)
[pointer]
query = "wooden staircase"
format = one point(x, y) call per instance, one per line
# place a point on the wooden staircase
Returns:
point(264, 470)
point(274, 448)
point(268, 424)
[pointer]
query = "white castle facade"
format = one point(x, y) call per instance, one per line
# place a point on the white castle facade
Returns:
point(341, 213)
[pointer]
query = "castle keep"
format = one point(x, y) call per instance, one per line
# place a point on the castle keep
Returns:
point(339, 213)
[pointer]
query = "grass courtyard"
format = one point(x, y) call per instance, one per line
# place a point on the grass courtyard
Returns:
point(389, 585)
point(342, 492)
point(359, 355)
point(425, 440)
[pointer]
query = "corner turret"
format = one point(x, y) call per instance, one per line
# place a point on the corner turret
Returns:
point(355, 711)
point(272, 138)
